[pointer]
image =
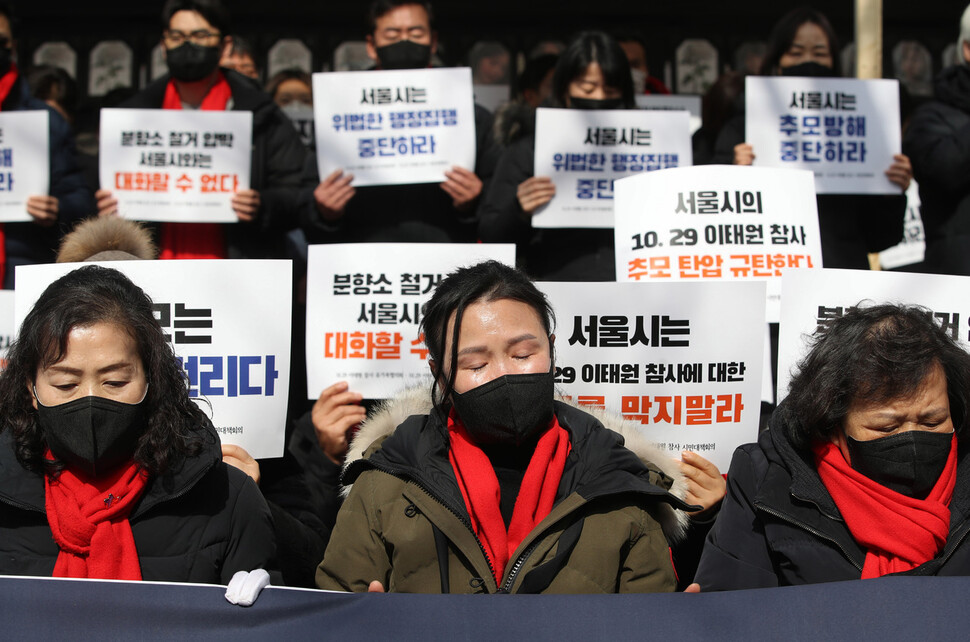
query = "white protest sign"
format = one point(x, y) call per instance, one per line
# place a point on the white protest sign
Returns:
point(394, 127)
point(585, 150)
point(844, 130)
point(24, 161)
point(824, 295)
point(364, 305)
point(665, 102)
point(912, 248)
point(8, 324)
point(656, 354)
point(234, 343)
point(175, 165)
point(717, 222)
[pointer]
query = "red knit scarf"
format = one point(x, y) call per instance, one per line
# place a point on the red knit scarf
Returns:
point(195, 240)
point(7, 82)
point(480, 489)
point(89, 521)
point(899, 532)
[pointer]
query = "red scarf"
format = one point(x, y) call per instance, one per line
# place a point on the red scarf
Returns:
point(89, 521)
point(195, 240)
point(7, 82)
point(480, 489)
point(899, 532)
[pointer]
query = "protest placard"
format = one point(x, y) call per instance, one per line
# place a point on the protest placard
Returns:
point(842, 129)
point(24, 161)
point(584, 150)
point(234, 343)
point(666, 102)
point(913, 246)
point(717, 222)
point(394, 127)
point(656, 353)
point(824, 295)
point(175, 165)
point(364, 304)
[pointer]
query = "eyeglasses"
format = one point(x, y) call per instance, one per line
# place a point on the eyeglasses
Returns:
point(200, 37)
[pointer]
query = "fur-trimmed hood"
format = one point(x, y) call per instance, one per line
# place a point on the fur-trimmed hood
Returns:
point(513, 120)
point(416, 401)
point(107, 239)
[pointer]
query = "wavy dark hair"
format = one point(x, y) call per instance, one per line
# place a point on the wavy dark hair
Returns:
point(876, 353)
point(587, 48)
point(486, 281)
point(92, 294)
point(783, 35)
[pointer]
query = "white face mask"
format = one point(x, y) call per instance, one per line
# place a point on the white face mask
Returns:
point(639, 80)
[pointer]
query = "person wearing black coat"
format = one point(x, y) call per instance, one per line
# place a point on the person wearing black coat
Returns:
point(863, 471)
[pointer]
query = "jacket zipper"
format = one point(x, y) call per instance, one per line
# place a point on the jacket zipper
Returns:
point(519, 563)
point(811, 530)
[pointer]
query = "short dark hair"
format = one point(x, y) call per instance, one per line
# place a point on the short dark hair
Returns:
point(293, 73)
point(587, 48)
point(7, 10)
point(379, 8)
point(48, 82)
point(240, 46)
point(535, 71)
point(212, 10)
point(94, 294)
point(783, 35)
point(486, 281)
point(876, 354)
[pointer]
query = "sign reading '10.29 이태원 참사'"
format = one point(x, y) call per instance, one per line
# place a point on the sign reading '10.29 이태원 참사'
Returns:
point(394, 127)
point(657, 354)
point(845, 130)
point(717, 222)
point(175, 165)
point(584, 150)
point(24, 161)
point(364, 304)
point(233, 343)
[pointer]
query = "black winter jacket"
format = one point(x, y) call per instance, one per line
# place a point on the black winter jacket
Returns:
point(779, 526)
point(29, 243)
point(201, 523)
point(938, 143)
point(278, 158)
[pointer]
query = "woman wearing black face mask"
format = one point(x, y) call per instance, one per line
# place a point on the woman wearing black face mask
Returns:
point(498, 487)
point(803, 43)
point(107, 468)
point(863, 471)
point(593, 73)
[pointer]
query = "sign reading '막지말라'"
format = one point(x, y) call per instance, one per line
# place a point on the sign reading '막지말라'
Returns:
point(394, 127)
point(175, 165)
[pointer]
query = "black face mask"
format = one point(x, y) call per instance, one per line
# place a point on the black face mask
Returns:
point(6, 59)
point(190, 62)
point(596, 103)
point(809, 70)
point(92, 435)
point(509, 410)
point(404, 54)
point(909, 463)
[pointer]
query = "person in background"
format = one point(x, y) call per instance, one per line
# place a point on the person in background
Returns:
point(68, 199)
point(489, 60)
point(635, 48)
point(239, 55)
point(864, 470)
point(194, 40)
point(55, 87)
point(717, 107)
point(292, 91)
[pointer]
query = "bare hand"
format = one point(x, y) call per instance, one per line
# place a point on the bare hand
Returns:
point(375, 587)
point(333, 415)
point(237, 457)
point(693, 588)
point(743, 154)
point(333, 194)
point(107, 203)
point(535, 192)
point(705, 486)
point(245, 204)
point(900, 172)
point(43, 209)
point(463, 186)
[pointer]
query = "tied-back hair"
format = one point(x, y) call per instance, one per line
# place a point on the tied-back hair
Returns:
point(487, 281)
point(587, 48)
point(783, 35)
point(175, 425)
point(872, 354)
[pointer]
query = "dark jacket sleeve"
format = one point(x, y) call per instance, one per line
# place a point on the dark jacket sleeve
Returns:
point(736, 554)
point(322, 476)
point(940, 152)
point(501, 219)
point(251, 544)
point(67, 183)
point(281, 157)
point(730, 135)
